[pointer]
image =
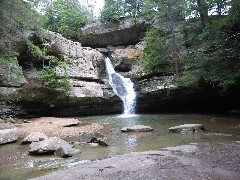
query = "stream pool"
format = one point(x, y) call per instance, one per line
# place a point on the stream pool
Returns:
point(16, 163)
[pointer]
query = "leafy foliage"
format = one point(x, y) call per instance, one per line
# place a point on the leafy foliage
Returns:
point(156, 53)
point(114, 10)
point(9, 66)
point(51, 78)
point(55, 74)
point(64, 16)
point(218, 60)
point(211, 41)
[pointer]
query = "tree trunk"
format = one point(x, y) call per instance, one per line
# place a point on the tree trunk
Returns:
point(203, 11)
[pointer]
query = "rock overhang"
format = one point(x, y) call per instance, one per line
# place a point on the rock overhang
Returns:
point(127, 31)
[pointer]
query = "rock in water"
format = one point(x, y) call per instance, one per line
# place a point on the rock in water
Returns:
point(34, 137)
point(137, 128)
point(87, 137)
point(8, 136)
point(49, 146)
point(187, 128)
point(66, 152)
point(94, 137)
point(99, 141)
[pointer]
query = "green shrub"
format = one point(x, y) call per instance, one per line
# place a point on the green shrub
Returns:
point(49, 75)
point(51, 78)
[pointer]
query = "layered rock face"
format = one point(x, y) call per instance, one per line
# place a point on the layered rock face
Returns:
point(90, 92)
point(123, 33)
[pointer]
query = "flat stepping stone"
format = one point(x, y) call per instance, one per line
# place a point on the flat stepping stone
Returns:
point(137, 128)
point(187, 128)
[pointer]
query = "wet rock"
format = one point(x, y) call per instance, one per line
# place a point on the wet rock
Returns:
point(8, 135)
point(183, 148)
point(34, 137)
point(187, 128)
point(99, 141)
point(66, 152)
point(93, 138)
point(88, 137)
point(48, 146)
point(137, 128)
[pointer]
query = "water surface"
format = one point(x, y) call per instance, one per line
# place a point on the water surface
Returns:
point(17, 164)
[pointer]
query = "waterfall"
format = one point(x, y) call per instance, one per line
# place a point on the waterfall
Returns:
point(122, 87)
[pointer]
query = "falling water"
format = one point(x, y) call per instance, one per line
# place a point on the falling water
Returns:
point(123, 87)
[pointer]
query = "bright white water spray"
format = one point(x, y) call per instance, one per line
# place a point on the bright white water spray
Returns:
point(122, 87)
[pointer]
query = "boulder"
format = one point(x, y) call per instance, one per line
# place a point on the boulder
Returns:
point(187, 128)
point(127, 31)
point(34, 137)
point(8, 136)
point(98, 141)
point(137, 128)
point(66, 152)
point(93, 138)
point(87, 137)
point(49, 146)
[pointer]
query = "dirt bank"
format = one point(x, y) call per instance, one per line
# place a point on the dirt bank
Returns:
point(195, 161)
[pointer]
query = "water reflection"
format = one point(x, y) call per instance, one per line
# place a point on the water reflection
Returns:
point(119, 143)
point(131, 142)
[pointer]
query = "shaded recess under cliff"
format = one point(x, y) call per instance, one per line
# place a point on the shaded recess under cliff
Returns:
point(124, 33)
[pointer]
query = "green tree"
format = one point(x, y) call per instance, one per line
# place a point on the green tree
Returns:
point(64, 16)
point(163, 45)
point(114, 10)
point(215, 58)
point(211, 40)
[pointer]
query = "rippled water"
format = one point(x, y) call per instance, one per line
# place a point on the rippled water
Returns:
point(17, 164)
